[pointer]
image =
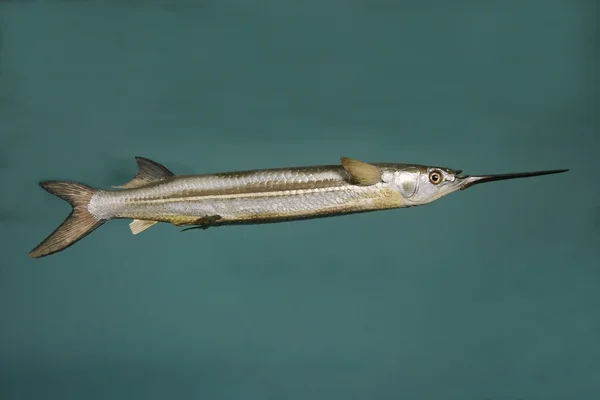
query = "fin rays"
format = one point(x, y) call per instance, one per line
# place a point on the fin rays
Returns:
point(76, 226)
point(139, 226)
point(362, 173)
point(148, 171)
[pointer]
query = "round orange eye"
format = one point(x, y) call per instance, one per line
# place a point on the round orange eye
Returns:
point(435, 177)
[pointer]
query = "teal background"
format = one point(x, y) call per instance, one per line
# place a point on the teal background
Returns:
point(492, 293)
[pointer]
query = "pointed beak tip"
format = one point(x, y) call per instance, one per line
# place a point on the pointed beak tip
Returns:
point(468, 181)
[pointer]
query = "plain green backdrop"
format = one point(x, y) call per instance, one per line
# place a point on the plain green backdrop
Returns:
point(492, 293)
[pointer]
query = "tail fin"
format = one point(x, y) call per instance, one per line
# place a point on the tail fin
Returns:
point(77, 225)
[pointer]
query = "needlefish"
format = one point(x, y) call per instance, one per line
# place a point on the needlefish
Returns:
point(253, 197)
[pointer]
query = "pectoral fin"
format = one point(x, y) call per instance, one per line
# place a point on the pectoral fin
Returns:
point(148, 171)
point(139, 226)
point(362, 173)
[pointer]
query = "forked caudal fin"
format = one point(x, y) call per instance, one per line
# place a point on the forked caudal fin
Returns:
point(77, 225)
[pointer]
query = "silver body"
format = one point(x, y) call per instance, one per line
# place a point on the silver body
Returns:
point(262, 195)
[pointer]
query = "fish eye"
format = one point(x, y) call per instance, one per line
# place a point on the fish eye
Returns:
point(435, 177)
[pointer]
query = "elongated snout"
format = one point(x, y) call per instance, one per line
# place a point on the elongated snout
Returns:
point(468, 181)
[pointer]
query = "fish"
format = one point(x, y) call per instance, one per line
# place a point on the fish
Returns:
point(157, 195)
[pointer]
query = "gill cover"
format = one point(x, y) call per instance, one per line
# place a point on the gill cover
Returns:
point(407, 181)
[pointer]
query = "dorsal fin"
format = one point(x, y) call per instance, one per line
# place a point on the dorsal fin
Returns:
point(148, 171)
point(362, 173)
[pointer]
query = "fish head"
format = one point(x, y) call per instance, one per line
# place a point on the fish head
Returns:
point(420, 184)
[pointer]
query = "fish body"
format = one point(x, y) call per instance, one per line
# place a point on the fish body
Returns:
point(251, 197)
point(247, 197)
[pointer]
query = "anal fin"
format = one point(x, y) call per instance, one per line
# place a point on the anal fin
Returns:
point(139, 226)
